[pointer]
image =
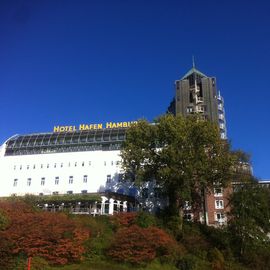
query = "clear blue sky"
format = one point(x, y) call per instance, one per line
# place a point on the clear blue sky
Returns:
point(71, 62)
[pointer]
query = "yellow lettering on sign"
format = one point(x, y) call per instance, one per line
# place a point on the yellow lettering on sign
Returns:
point(109, 125)
point(93, 126)
point(56, 129)
point(81, 127)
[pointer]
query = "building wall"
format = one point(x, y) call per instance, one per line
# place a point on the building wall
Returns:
point(217, 206)
point(208, 101)
point(92, 171)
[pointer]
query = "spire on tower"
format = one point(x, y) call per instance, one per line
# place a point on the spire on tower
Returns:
point(193, 61)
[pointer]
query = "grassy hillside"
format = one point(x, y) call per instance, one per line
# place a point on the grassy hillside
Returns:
point(126, 241)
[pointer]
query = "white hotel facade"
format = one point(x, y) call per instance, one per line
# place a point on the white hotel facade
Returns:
point(70, 162)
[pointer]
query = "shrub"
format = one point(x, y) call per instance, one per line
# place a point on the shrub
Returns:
point(123, 219)
point(138, 245)
point(51, 236)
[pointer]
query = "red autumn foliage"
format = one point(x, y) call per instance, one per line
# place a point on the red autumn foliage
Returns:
point(52, 236)
point(138, 245)
point(124, 219)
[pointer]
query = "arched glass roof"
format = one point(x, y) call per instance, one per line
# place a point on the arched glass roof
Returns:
point(42, 143)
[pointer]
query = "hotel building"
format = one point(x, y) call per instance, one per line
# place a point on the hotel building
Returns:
point(86, 159)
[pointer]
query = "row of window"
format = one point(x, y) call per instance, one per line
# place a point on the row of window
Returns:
point(56, 181)
point(61, 165)
point(70, 180)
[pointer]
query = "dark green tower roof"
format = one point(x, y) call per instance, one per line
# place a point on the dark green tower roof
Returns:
point(191, 71)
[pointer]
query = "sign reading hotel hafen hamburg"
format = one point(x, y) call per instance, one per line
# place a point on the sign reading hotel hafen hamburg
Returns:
point(82, 127)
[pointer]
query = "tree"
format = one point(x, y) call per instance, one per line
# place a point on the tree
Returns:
point(185, 156)
point(249, 224)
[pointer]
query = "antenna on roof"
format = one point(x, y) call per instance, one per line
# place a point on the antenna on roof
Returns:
point(193, 61)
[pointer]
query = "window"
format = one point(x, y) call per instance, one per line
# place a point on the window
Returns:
point(20, 167)
point(84, 191)
point(14, 167)
point(218, 192)
point(34, 166)
point(56, 180)
point(104, 163)
point(189, 109)
point(61, 165)
point(27, 167)
point(187, 205)
point(75, 164)
point(112, 163)
point(220, 217)
point(85, 178)
point(48, 165)
point(219, 204)
point(188, 216)
point(55, 193)
point(42, 183)
point(109, 179)
point(41, 166)
point(70, 181)
point(83, 164)
point(29, 181)
point(54, 165)
point(89, 163)
point(15, 182)
point(70, 192)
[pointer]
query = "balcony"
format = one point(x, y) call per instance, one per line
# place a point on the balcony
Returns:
point(199, 109)
point(222, 126)
point(199, 100)
point(221, 117)
point(220, 107)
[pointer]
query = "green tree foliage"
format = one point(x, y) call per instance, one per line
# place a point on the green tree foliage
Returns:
point(184, 155)
point(250, 224)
